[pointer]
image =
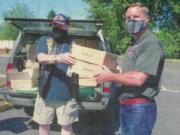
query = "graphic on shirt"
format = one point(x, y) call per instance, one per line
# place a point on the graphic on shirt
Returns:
point(132, 51)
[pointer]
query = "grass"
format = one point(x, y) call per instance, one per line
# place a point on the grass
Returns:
point(4, 105)
point(2, 84)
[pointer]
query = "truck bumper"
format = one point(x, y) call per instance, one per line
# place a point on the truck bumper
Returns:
point(18, 99)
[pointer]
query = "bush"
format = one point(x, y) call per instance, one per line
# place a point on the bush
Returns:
point(171, 40)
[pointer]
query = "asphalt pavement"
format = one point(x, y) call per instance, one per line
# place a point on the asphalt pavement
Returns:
point(15, 121)
point(168, 116)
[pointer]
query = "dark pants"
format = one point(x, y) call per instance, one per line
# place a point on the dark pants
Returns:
point(138, 119)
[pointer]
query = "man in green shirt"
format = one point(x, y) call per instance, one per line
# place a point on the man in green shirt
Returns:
point(140, 77)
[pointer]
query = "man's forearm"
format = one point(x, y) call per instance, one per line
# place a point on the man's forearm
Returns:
point(130, 79)
point(46, 58)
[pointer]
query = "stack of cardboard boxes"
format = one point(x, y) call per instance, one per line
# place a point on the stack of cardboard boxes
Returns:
point(28, 78)
point(89, 62)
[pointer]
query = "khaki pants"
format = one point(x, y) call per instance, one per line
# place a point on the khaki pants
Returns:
point(66, 112)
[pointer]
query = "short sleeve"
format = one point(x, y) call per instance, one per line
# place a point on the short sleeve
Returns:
point(42, 45)
point(148, 61)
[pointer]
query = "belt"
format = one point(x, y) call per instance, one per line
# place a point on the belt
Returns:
point(133, 101)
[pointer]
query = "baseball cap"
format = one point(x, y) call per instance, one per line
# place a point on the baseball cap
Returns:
point(61, 21)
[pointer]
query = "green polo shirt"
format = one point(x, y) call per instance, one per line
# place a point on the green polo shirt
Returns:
point(145, 55)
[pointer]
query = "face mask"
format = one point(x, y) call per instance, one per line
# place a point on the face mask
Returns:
point(59, 35)
point(135, 26)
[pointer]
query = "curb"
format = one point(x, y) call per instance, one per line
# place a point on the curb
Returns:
point(4, 105)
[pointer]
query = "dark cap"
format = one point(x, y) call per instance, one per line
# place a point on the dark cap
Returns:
point(61, 21)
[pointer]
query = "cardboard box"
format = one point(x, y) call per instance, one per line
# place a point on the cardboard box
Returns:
point(80, 41)
point(4, 50)
point(15, 75)
point(21, 84)
point(87, 82)
point(91, 43)
point(85, 69)
point(27, 74)
point(94, 56)
point(33, 73)
point(28, 78)
point(31, 64)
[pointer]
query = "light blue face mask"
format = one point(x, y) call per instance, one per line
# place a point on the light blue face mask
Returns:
point(135, 26)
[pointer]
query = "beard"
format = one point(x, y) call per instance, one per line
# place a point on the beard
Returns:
point(59, 35)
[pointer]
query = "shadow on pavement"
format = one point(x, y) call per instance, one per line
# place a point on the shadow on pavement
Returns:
point(97, 123)
point(15, 125)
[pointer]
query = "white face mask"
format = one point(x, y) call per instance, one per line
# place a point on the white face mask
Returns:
point(135, 26)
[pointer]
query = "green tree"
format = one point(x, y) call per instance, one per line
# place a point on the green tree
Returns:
point(17, 11)
point(164, 13)
point(51, 14)
point(112, 14)
point(171, 40)
point(8, 32)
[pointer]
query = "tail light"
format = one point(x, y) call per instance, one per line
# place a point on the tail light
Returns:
point(9, 66)
point(8, 83)
point(106, 91)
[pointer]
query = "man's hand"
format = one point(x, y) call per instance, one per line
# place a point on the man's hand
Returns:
point(66, 58)
point(103, 76)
